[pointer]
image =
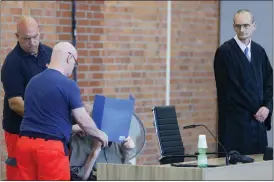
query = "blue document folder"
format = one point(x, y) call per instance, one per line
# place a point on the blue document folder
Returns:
point(113, 116)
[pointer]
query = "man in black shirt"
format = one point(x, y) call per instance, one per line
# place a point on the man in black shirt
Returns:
point(28, 58)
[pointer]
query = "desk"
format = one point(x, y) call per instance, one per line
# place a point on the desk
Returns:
point(259, 170)
point(221, 161)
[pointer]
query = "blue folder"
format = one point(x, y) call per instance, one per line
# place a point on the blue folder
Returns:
point(113, 116)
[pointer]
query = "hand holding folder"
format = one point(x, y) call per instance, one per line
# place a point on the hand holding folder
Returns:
point(113, 116)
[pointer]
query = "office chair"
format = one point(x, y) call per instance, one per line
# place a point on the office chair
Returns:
point(168, 133)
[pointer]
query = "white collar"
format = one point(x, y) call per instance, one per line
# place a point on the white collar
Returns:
point(242, 45)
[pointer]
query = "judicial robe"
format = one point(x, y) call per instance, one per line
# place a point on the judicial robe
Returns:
point(243, 86)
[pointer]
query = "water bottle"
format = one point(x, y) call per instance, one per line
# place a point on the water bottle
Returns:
point(202, 148)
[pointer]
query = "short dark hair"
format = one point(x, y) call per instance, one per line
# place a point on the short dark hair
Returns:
point(243, 11)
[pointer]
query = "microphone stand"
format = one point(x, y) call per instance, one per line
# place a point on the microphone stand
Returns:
point(210, 153)
point(196, 125)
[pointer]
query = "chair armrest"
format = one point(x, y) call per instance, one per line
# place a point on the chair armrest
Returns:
point(169, 159)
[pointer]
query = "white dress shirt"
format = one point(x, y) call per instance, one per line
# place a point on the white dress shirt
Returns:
point(243, 46)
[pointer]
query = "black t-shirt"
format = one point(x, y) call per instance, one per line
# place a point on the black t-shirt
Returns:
point(18, 68)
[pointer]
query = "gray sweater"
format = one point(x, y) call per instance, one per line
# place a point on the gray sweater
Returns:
point(80, 148)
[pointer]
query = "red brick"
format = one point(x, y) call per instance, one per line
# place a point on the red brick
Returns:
point(58, 13)
point(97, 75)
point(15, 18)
point(83, 22)
point(66, 29)
point(65, 37)
point(97, 90)
point(66, 14)
point(81, 14)
point(66, 6)
point(82, 37)
point(99, 60)
point(51, 21)
point(6, 18)
point(89, 15)
point(83, 52)
point(83, 67)
point(93, 53)
point(98, 15)
point(81, 45)
point(94, 68)
point(65, 21)
point(49, 13)
point(83, 7)
point(94, 8)
point(16, 11)
point(94, 38)
point(95, 22)
point(36, 12)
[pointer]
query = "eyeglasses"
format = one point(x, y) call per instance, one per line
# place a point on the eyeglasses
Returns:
point(76, 63)
point(239, 26)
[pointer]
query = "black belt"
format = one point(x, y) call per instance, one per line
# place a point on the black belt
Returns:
point(46, 137)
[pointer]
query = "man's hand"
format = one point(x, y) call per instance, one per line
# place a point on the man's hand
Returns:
point(103, 138)
point(262, 114)
point(128, 143)
point(87, 124)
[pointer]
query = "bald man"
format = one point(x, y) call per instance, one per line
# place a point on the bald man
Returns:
point(244, 81)
point(50, 100)
point(28, 58)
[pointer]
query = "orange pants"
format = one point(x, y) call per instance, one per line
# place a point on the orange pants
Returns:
point(38, 159)
point(11, 140)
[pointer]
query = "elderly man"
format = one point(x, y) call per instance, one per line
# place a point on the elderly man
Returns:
point(28, 58)
point(82, 151)
point(244, 80)
point(50, 99)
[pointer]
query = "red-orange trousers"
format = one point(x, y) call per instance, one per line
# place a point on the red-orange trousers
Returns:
point(11, 140)
point(38, 159)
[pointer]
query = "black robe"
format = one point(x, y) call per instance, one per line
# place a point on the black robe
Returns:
point(243, 86)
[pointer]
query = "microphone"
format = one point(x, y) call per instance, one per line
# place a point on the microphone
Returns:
point(191, 126)
point(186, 155)
point(197, 125)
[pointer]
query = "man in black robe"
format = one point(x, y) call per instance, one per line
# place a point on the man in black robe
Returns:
point(244, 81)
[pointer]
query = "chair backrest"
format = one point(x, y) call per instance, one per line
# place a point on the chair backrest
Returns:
point(168, 133)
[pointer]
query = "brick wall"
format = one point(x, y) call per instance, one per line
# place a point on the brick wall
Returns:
point(122, 50)
point(195, 37)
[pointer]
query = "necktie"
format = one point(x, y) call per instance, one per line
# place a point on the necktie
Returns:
point(246, 53)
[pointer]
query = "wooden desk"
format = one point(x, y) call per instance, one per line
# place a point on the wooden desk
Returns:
point(259, 170)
